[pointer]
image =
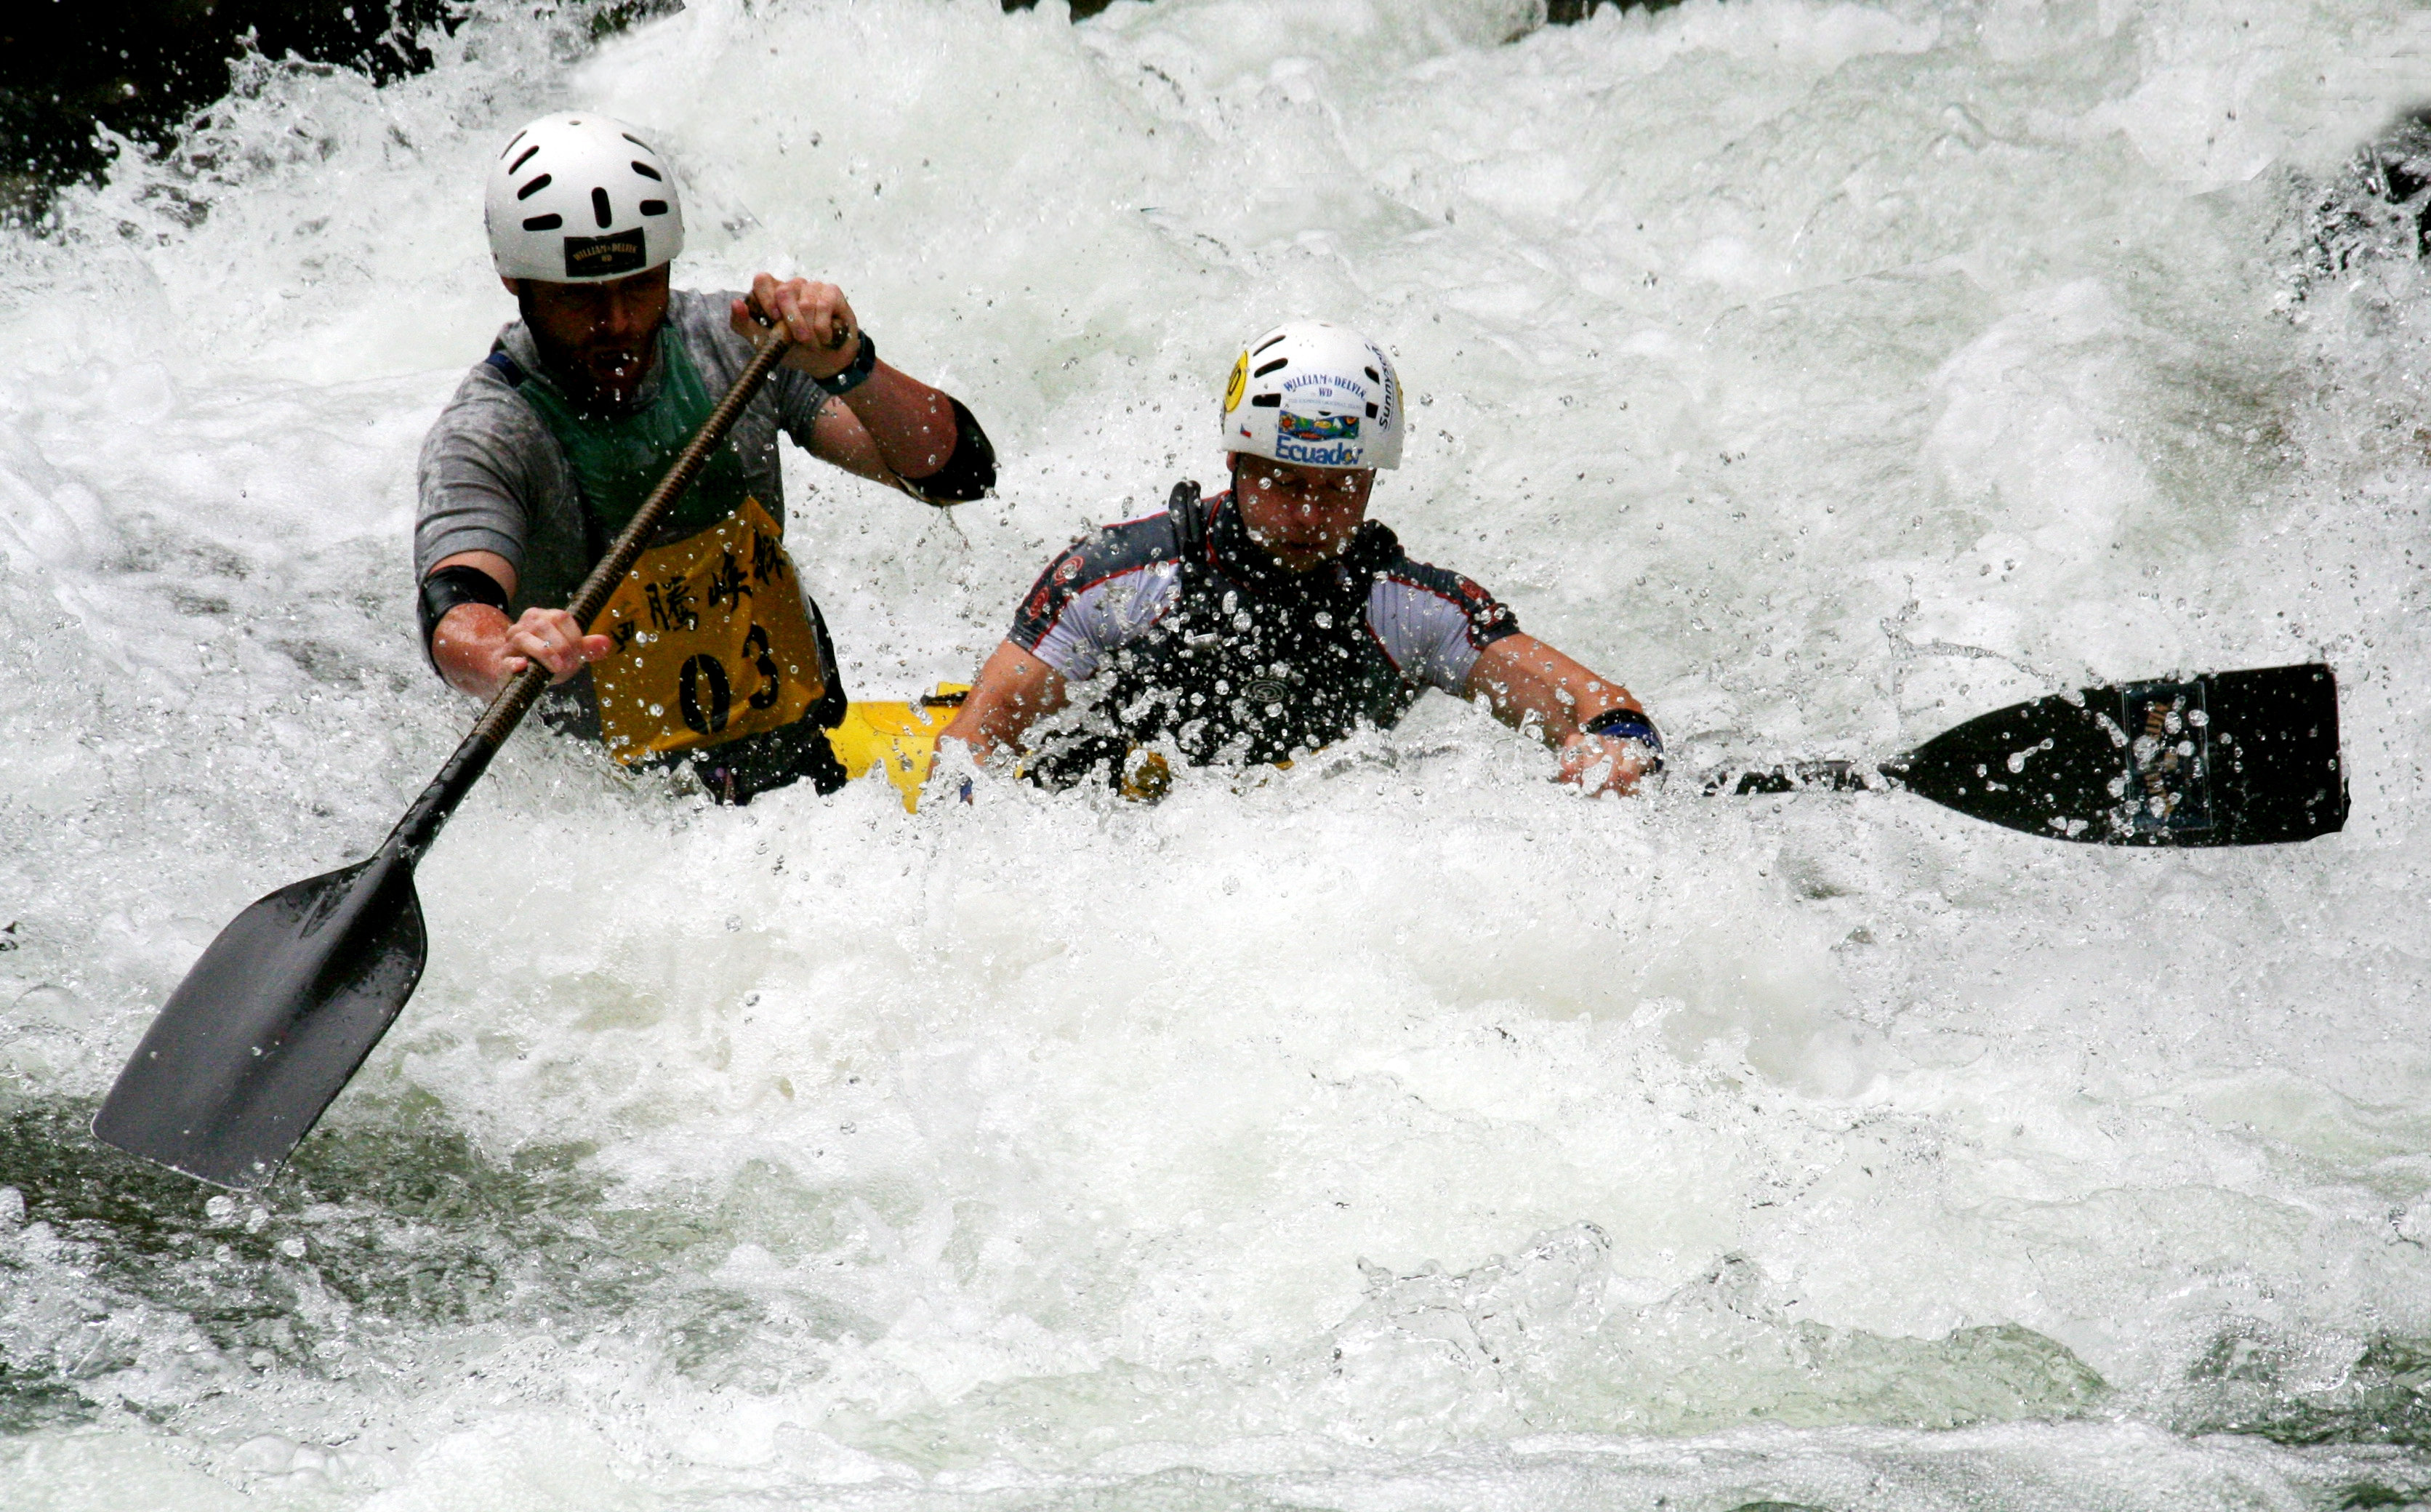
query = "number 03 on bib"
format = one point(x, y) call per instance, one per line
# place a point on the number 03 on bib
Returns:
point(711, 640)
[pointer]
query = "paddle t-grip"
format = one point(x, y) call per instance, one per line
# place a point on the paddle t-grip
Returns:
point(421, 822)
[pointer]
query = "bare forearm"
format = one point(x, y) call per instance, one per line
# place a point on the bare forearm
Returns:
point(911, 424)
point(470, 639)
point(1533, 686)
point(899, 430)
point(1015, 689)
point(477, 648)
point(1528, 683)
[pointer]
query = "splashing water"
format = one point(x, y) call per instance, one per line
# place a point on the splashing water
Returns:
point(1400, 1130)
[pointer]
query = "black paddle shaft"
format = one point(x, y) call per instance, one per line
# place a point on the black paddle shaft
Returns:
point(283, 1007)
point(2224, 759)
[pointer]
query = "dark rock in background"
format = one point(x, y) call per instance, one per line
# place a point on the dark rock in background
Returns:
point(141, 67)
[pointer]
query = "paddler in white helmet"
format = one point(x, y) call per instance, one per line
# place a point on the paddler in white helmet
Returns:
point(1275, 617)
point(709, 652)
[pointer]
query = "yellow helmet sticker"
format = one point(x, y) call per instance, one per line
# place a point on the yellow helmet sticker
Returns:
point(1240, 381)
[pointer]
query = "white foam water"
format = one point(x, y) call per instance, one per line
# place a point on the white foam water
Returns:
point(1398, 1131)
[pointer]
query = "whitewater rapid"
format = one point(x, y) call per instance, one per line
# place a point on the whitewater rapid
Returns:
point(1399, 1130)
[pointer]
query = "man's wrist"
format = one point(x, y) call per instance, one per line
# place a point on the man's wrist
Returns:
point(855, 373)
point(1628, 724)
point(450, 588)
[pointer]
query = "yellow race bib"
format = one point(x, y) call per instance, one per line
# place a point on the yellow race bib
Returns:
point(713, 642)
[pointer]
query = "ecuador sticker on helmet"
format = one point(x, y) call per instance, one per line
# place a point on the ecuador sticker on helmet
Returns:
point(1316, 426)
point(1240, 381)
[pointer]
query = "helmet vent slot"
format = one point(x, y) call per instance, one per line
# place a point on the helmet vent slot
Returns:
point(549, 222)
point(1278, 363)
point(1371, 412)
point(1266, 401)
point(1373, 377)
point(511, 146)
point(1268, 342)
point(599, 209)
point(532, 188)
point(652, 174)
point(637, 141)
point(654, 207)
point(516, 166)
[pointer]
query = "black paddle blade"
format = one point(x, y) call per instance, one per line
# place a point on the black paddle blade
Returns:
point(2228, 759)
point(269, 1025)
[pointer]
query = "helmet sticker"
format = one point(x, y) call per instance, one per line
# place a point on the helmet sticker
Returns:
point(1317, 426)
point(1332, 453)
point(1331, 388)
point(1240, 381)
point(600, 257)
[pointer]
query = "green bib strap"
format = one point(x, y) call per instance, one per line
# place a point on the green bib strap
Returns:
point(618, 459)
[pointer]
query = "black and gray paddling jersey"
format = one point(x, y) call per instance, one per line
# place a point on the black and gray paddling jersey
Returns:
point(1207, 643)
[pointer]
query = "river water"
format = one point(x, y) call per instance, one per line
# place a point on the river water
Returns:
point(1398, 1132)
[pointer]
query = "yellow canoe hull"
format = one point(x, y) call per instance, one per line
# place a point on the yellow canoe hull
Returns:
point(900, 738)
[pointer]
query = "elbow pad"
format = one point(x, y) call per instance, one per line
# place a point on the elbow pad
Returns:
point(967, 474)
point(449, 587)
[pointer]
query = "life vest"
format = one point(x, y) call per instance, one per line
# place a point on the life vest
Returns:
point(1252, 664)
point(713, 637)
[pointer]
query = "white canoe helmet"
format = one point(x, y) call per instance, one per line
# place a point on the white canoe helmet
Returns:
point(579, 198)
point(1314, 396)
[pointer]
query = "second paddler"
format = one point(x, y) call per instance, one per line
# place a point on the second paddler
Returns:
point(711, 652)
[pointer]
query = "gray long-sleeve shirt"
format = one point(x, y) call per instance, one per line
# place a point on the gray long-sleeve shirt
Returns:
point(495, 479)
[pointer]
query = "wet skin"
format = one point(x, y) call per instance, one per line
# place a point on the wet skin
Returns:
point(1303, 517)
point(597, 337)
